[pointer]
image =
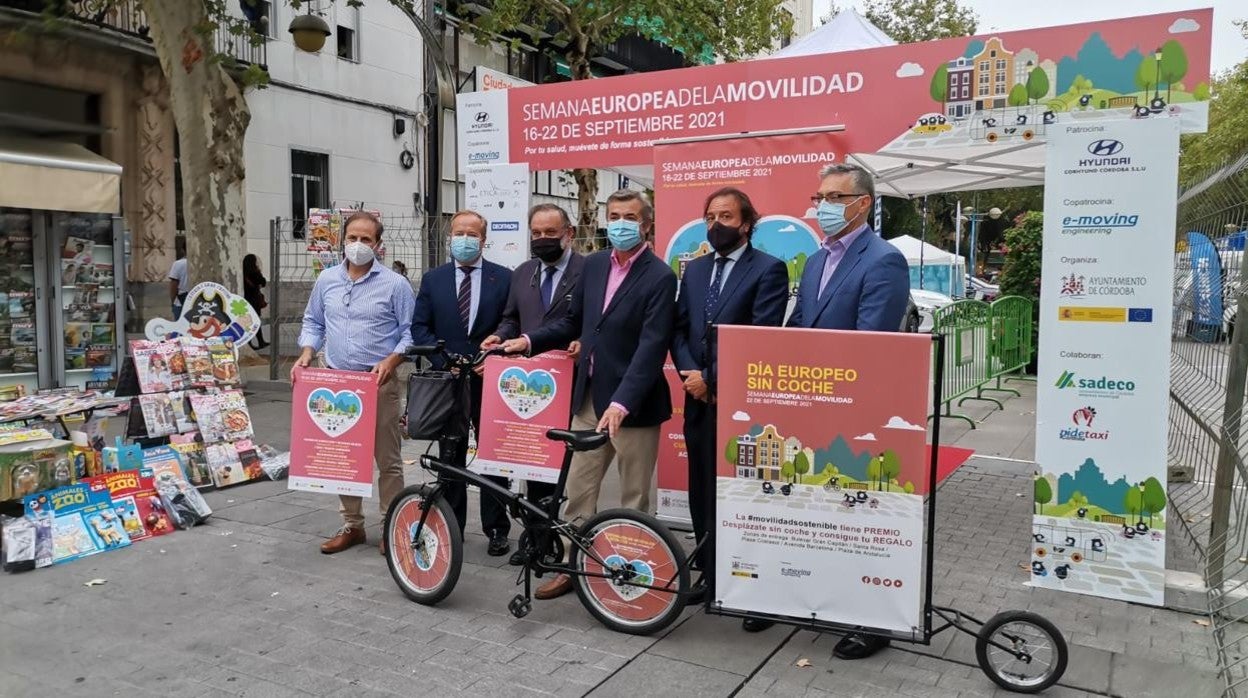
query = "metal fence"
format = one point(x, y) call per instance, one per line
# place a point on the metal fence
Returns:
point(1208, 364)
point(985, 345)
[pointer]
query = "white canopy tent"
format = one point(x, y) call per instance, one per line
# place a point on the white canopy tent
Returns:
point(932, 268)
point(918, 171)
point(847, 31)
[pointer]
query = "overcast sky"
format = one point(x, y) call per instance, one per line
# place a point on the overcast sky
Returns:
point(1229, 47)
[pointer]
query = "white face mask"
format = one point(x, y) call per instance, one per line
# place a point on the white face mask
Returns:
point(358, 253)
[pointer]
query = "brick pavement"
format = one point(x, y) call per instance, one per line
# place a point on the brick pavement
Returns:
point(248, 606)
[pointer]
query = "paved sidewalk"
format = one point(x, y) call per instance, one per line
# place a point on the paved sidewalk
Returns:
point(248, 606)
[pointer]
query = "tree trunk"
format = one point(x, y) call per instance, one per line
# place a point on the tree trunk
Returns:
point(211, 116)
point(586, 179)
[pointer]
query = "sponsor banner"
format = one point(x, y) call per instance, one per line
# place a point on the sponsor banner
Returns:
point(333, 421)
point(1001, 88)
point(522, 399)
point(1206, 288)
point(490, 79)
point(501, 194)
point(820, 489)
point(1102, 409)
point(481, 128)
point(672, 467)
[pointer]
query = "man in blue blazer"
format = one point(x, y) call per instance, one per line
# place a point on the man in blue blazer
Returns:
point(622, 313)
point(856, 281)
point(460, 303)
point(736, 285)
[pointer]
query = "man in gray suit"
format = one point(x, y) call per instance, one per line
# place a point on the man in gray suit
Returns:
point(541, 291)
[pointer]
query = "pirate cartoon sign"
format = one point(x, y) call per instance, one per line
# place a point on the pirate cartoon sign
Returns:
point(211, 310)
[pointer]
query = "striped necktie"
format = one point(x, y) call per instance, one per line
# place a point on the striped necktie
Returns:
point(465, 298)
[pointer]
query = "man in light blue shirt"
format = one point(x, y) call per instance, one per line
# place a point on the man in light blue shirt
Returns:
point(361, 313)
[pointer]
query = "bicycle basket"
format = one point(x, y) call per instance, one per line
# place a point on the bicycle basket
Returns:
point(435, 405)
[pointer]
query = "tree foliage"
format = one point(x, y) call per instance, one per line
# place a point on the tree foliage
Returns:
point(1037, 83)
point(1017, 96)
point(731, 452)
point(801, 464)
point(1227, 137)
point(940, 83)
point(1043, 493)
point(1133, 502)
point(1021, 275)
point(911, 21)
point(1173, 64)
point(1153, 498)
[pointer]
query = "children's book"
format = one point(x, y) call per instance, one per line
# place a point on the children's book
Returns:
point(83, 521)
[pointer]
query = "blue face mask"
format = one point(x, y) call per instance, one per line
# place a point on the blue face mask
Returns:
point(831, 217)
point(465, 249)
point(624, 235)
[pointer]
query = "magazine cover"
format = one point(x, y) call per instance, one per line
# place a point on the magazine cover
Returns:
point(194, 461)
point(99, 356)
point(158, 414)
point(181, 412)
point(23, 333)
point(207, 413)
point(78, 249)
point(249, 456)
point(104, 274)
point(86, 293)
point(198, 362)
point(162, 464)
point(136, 503)
point(101, 312)
point(83, 522)
point(152, 366)
point(224, 463)
point(171, 351)
point(102, 333)
point(77, 335)
point(224, 366)
point(234, 415)
point(21, 304)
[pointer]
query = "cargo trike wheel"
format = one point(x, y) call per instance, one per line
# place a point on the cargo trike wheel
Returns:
point(1021, 651)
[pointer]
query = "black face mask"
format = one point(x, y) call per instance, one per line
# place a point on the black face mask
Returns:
point(549, 250)
point(723, 238)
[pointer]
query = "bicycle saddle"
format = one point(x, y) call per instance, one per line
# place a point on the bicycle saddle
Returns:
point(579, 440)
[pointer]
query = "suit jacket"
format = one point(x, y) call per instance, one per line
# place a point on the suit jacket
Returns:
point(524, 313)
point(437, 309)
point(868, 291)
point(626, 343)
point(756, 292)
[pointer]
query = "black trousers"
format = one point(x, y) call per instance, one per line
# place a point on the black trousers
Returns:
point(700, 446)
point(494, 519)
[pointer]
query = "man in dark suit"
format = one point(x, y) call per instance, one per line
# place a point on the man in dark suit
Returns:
point(541, 291)
point(736, 285)
point(623, 313)
point(460, 303)
point(856, 281)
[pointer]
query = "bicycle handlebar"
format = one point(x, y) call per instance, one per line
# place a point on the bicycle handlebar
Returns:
point(452, 360)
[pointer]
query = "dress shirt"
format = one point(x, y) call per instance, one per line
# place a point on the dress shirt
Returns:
point(359, 322)
point(560, 266)
point(475, 302)
point(733, 257)
point(619, 271)
point(836, 252)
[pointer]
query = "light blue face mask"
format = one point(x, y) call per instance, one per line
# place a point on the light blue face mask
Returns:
point(831, 217)
point(465, 249)
point(624, 235)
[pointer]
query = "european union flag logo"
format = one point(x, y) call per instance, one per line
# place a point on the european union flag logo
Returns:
point(1139, 315)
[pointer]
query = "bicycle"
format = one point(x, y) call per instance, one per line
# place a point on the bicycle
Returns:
point(629, 570)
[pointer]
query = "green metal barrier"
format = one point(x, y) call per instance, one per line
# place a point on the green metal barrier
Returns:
point(966, 325)
point(1012, 340)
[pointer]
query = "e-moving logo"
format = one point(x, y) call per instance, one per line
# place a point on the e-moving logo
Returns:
point(1112, 220)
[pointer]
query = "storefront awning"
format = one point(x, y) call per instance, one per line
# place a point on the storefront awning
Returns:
point(52, 175)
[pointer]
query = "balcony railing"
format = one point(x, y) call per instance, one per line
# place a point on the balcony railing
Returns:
point(127, 17)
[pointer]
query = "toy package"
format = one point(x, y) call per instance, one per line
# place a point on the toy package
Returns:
point(27, 543)
point(83, 522)
point(198, 363)
point(194, 461)
point(225, 465)
point(207, 409)
point(122, 457)
point(158, 415)
point(136, 503)
point(184, 504)
point(29, 466)
point(234, 415)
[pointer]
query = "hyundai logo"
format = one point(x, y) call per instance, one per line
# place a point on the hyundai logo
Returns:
point(1105, 147)
point(483, 117)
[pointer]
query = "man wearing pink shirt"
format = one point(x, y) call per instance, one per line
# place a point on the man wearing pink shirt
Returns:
point(622, 313)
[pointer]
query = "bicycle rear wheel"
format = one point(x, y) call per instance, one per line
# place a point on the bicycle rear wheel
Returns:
point(639, 552)
point(427, 567)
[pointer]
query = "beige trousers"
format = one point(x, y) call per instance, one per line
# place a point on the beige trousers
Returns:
point(637, 448)
point(387, 453)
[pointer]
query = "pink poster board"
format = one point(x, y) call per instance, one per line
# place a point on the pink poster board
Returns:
point(333, 420)
point(522, 399)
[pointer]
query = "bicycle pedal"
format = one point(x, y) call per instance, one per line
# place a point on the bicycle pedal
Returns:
point(520, 606)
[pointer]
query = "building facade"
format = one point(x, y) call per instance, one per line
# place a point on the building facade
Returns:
point(993, 75)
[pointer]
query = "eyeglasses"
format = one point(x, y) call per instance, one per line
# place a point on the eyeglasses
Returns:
point(833, 197)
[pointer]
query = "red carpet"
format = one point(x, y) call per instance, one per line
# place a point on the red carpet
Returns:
point(949, 459)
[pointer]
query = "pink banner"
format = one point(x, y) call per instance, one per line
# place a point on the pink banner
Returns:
point(333, 420)
point(672, 468)
point(523, 399)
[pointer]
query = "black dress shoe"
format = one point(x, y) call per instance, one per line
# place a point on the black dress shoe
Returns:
point(754, 625)
point(859, 646)
point(697, 595)
point(499, 545)
point(517, 558)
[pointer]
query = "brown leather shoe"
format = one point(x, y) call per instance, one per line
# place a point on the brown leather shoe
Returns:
point(343, 539)
point(555, 588)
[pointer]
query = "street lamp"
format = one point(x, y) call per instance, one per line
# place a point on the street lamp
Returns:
point(309, 31)
point(1157, 78)
point(974, 217)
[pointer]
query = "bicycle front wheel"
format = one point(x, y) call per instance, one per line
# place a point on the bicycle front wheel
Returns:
point(637, 590)
point(426, 566)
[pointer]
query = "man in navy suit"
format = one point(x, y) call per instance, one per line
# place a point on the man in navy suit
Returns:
point(541, 292)
point(623, 313)
point(856, 281)
point(736, 285)
point(460, 303)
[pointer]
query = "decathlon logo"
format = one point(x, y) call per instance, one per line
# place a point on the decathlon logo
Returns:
point(1105, 147)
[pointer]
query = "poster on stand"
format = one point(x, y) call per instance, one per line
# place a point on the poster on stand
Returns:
point(333, 419)
point(501, 194)
point(1102, 408)
point(523, 398)
point(824, 468)
point(211, 310)
point(672, 468)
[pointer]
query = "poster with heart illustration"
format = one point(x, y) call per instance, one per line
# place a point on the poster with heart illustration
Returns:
point(522, 399)
point(333, 419)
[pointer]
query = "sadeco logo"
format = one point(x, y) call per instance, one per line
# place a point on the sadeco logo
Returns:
point(1083, 419)
point(1103, 386)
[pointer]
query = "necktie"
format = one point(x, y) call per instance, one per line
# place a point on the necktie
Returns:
point(465, 298)
point(548, 287)
point(712, 295)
